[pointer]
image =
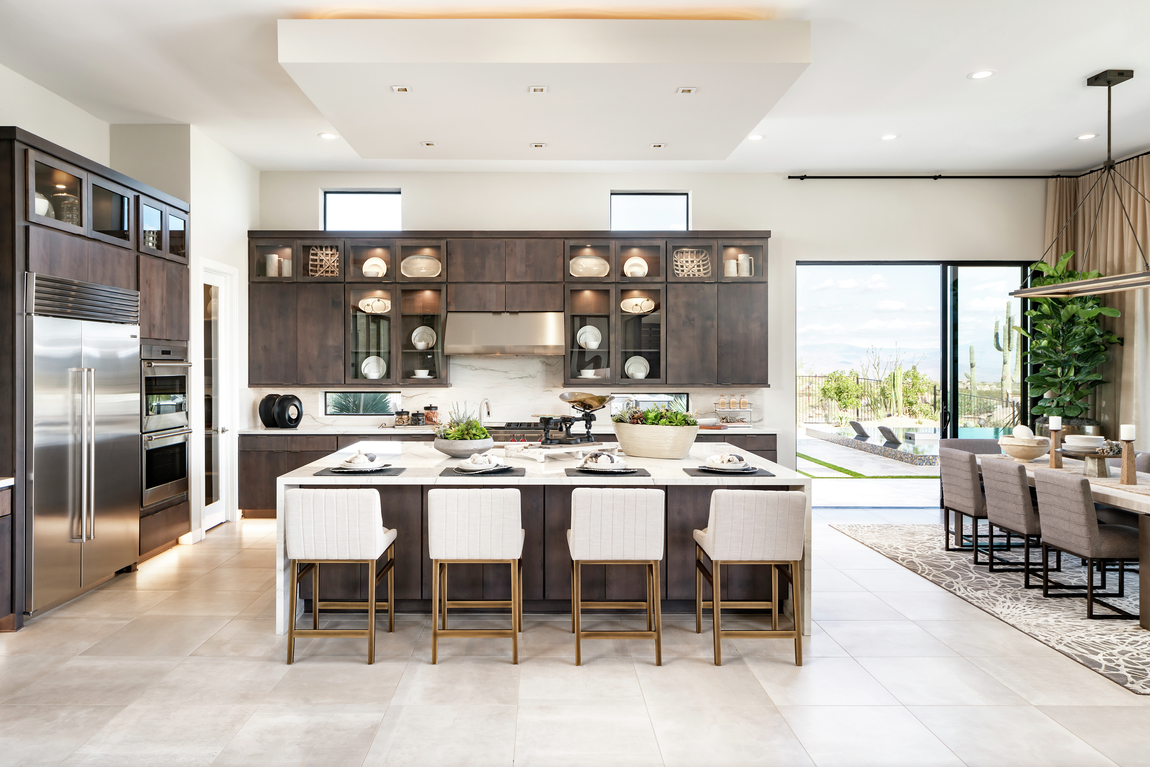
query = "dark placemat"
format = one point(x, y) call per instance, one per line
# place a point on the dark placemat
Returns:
point(605, 474)
point(732, 474)
point(391, 471)
point(515, 471)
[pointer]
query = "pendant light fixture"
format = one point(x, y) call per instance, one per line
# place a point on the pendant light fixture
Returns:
point(1108, 178)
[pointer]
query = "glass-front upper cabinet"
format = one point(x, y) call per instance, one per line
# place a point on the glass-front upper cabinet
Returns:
point(56, 193)
point(271, 261)
point(110, 214)
point(369, 336)
point(693, 261)
point(589, 261)
point(370, 260)
point(177, 235)
point(422, 261)
point(151, 221)
point(744, 261)
point(321, 260)
point(641, 261)
point(641, 338)
point(589, 337)
point(421, 321)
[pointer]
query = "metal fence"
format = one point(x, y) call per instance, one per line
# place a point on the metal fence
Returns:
point(973, 409)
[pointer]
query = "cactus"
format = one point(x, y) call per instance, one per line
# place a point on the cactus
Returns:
point(898, 399)
point(971, 375)
point(1006, 342)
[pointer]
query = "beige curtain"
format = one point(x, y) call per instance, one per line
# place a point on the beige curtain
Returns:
point(1112, 249)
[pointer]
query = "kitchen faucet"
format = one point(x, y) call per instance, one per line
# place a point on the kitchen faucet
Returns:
point(486, 402)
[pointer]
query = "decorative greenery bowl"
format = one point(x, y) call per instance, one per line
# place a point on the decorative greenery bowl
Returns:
point(643, 441)
point(463, 448)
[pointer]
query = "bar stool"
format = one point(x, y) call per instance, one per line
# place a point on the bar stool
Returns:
point(616, 526)
point(337, 526)
point(1009, 507)
point(1070, 524)
point(752, 527)
point(475, 526)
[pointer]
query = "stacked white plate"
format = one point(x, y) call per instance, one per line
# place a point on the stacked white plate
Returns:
point(374, 267)
point(589, 266)
point(589, 337)
point(635, 266)
point(1083, 440)
point(636, 367)
point(373, 367)
point(420, 266)
point(423, 334)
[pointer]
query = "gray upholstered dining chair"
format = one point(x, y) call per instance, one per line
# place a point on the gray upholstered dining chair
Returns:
point(978, 447)
point(1009, 507)
point(961, 496)
point(1070, 524)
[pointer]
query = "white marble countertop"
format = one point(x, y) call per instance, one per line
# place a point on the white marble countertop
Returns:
point(7, 481)
point(424, 463)
point(598, 428)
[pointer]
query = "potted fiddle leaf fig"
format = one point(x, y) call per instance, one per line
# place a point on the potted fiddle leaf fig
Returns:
point(1067, 346)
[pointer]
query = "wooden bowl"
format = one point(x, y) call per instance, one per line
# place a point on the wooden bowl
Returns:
point(1024, 450)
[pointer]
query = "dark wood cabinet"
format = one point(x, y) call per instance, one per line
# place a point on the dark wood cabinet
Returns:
point(271, 335)
point(534, 297)
point(320, 260)
point(476, 297)
point(295, 334)
point(319, 333)
point(77, 258)
point(161, 530)
point(691, 324)
point(534, 261)
point(742, 333)
point(7, 601)
point(164, 299)
point(262, 458)
point(477, 260)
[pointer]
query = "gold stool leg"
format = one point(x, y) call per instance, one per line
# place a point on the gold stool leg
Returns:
point(650, 612)
point(443, 587)
point(795, 592)
point(514, 610)
point(658, 600)
point(391, 589)
point(315, 596)
point(370, 611)
point(716, 611)
point(577, 606)
point(434, 611)
point(698, 591)
point(572, 596)
point(294, 590)
point(519, 619)
point(774, 597)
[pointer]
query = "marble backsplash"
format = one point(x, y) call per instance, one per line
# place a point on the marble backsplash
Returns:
point(519, 388)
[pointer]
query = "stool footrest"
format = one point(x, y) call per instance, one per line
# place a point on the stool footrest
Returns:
point(741, 605)
point(480, 603)
point(758, 634)
point(332, 632)
point(380, 605)
point(476, 633)
point(613, 605)
point(617, 634)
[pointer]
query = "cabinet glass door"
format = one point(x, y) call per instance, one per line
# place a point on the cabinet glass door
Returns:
point(58, 196)
point(111, 213)
point(151, 228)
point(589, 334)
point(640, 335)
point(369, 355)
point(421, 336)
point(177, 236)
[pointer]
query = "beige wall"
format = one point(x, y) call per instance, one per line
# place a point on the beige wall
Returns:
point(38, 110)
point(809, 221)
point(158, 155)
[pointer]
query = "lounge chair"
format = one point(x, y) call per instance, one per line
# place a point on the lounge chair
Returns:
point(890, 440)
point(860, 432)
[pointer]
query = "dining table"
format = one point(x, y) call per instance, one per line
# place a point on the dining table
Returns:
point(1110, 491)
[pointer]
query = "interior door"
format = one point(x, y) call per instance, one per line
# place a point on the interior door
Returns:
point(220, 448)
point(112, 354)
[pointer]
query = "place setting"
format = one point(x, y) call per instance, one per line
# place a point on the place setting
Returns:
point(483, 464)
point(362, 463)
point(727, 463)
point(605, 464)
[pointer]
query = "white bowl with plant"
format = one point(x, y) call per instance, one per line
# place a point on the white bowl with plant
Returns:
point(657, 432)
point(462, 435)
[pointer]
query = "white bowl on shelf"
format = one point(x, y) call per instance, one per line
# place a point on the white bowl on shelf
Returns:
point(589, 266)
point(420, 266)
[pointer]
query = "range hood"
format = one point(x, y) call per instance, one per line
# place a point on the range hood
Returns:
point(537, 333)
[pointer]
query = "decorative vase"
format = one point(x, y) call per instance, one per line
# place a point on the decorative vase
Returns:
point(462, 448)
point(643, 441)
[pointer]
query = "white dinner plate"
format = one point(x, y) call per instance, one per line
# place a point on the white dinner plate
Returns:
point(636, 367)
point(420, 266)
point(375, 267)
point(589, 266)
point(637, 305)
point(375, 305)
point(484, 470)
point(589, 333)
point(745, 469)
point(373, 367)
point(423, 334)
point(607, 469)
point(378, 463)
point(635, 266)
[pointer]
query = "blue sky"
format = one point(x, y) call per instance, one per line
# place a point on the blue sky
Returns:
point(844, 309)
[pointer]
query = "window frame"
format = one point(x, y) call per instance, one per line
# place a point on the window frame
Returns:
point(397, 192)
point(395, 401)
point(641, 193)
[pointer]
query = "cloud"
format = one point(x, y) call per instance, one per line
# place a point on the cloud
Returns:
point(820, 328)
point(890, 306)
point(871, 284)
point(999, 286)
point(898, 324)
point(986, 304)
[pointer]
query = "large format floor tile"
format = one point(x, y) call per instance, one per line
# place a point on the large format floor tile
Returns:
point(874, 639)
point(867, 736)
point(1120, 733)
point(40, 735)
point(691, 735)
point(167, 635)
point(819, 682)
point(446, 735)
point(586, 729)
point(939, 682)
point(310, 735)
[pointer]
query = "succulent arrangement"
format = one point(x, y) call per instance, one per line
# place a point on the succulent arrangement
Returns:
point(461, 425)
point(655, 416)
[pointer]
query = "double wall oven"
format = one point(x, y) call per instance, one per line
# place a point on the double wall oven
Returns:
point(164, 424)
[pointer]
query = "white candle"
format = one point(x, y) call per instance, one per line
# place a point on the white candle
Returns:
point(1055, 422)
point(1126, 432)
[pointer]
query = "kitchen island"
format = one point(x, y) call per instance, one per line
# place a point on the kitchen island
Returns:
point(546, 498)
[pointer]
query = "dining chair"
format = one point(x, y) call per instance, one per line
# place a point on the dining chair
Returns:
point(1009, 507)
point(337, 526)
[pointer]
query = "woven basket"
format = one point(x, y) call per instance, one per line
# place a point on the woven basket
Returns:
point(642, 441)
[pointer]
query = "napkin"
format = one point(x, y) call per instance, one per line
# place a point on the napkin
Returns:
point(726, 460)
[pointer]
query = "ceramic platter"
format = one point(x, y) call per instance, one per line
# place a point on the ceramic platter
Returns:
point(636, 367)
point(421, 267)
point(375, 305)
point(637, 305)
point(635, 266)
point(423, 334)
point(373, 367)
point(375, 267)
point(589, 334)
point(589, 266)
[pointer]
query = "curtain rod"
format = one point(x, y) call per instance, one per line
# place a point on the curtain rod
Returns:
point(940, 176)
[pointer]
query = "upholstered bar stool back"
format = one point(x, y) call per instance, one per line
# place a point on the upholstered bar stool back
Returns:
point(616, 526)
point(324, 526)
point(474, 525)
point(1070, 524)
point(752, 527)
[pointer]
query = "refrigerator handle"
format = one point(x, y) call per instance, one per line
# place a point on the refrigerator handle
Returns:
point(77, 459)
point(84, 464)
point(91, 451)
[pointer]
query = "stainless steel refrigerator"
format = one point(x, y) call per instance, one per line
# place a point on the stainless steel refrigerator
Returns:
point(84, 428)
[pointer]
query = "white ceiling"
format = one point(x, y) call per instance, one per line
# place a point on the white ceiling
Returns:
point(877, 67)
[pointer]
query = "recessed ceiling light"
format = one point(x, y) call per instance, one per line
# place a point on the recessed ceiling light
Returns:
point(754, 137)
point(538, 145)
point(429, 143)
point(329, 136)
point(658, 145)
point(890, 137)
point(1087, 136)
point(981, 74)
point(400, 89)
point(688, 90)
point(537, 89)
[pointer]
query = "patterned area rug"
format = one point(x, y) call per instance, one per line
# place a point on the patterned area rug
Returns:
point(1117, 649)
